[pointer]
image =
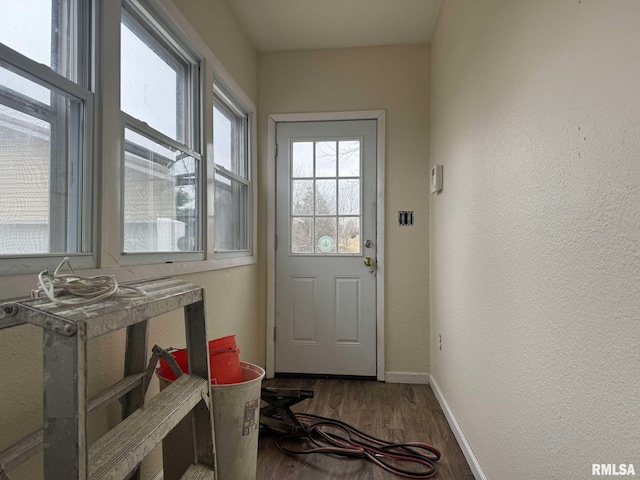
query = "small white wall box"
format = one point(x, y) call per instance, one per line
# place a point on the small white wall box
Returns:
point(436, 179)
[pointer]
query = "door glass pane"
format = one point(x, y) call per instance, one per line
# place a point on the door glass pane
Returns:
point(230, 215)
point(335, 191)
point(302, 159)
point(349, 158)
point(325, 197)
point(325, 235)
point(349, 235)
point(325, 159)
point(302, 234)
point(302, 197)
point(152, 81)
point(160, 197)
point(349, 197)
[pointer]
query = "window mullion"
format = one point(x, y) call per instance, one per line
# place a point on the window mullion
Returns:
point(231, 175)
point(20, 102)
point(41, 73)
point(111, 132)
point(58, 195)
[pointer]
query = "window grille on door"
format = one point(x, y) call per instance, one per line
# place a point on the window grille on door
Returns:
point(326, 197)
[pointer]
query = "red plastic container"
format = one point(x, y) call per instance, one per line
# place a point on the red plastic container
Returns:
point(224, 362)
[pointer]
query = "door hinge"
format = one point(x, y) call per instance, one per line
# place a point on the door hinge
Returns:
point(276, 150)
point(275, 240)
point(274, 334)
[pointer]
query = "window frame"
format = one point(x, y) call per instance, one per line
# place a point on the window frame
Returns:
point(105, 173)
point(79, 85)
point(147, 25)
point(234, 106)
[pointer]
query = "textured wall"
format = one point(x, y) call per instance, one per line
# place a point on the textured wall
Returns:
point(394, 79)
point(228, 293)
point(535, 239)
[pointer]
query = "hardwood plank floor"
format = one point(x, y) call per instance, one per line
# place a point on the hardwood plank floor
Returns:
point(394, 412)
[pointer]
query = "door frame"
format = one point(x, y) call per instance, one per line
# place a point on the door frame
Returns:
point(272, 121)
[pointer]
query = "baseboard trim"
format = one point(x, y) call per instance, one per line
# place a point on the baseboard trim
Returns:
point(467, 451)
point(407, 377)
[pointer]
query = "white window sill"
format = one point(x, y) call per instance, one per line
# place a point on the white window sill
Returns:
point(20, 286)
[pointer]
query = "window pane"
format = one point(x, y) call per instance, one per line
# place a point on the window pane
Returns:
point(302, 235)
point(349, 197)
point(325, 197)
point(161, 207)
point(349, 234)
point(302, 197)
point(232, 210)
point(23, 86)
point(40, 176)
point(349, 158)
point(231, 213)
point(229, 140)
point(325, 235)
point(152, 81)
point(325, 159)
point(42, 30)
point(302, 159)
point(25, 158)
point(222, 139)
point(25, 26)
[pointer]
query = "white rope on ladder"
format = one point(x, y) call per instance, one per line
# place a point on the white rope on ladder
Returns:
point(86, 290)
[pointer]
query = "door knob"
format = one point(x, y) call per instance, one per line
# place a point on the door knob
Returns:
point(368, 261)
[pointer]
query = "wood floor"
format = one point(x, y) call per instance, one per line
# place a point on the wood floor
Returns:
point(394, 412)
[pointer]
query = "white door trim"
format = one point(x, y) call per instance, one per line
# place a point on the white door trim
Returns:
point(273, 119)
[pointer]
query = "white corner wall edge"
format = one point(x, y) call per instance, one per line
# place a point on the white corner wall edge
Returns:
point(407, 377)
point(467, 451)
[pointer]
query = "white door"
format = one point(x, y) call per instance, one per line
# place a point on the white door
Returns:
point(326, 232)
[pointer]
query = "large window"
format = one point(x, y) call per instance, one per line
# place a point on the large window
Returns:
point(160, 105)
point(232, 211)
point(107, 148)
point(46, 109)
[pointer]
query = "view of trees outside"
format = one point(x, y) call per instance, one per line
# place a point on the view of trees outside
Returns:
point(325, 197)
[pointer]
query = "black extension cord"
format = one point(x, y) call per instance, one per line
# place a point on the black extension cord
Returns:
point(330, 436)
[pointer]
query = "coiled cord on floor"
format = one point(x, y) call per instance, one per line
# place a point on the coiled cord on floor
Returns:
point(335, 437)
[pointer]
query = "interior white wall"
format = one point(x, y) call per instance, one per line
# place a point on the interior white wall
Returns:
point(394, 79)
point(535, 238)
point(228, 292)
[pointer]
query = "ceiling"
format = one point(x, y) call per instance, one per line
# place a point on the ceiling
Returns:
point(273, 25)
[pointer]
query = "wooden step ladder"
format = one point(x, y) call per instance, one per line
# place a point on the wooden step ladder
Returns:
point(117, 455)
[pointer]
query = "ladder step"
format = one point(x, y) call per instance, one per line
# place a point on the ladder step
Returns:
point(115, 455)
point(199, 472)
